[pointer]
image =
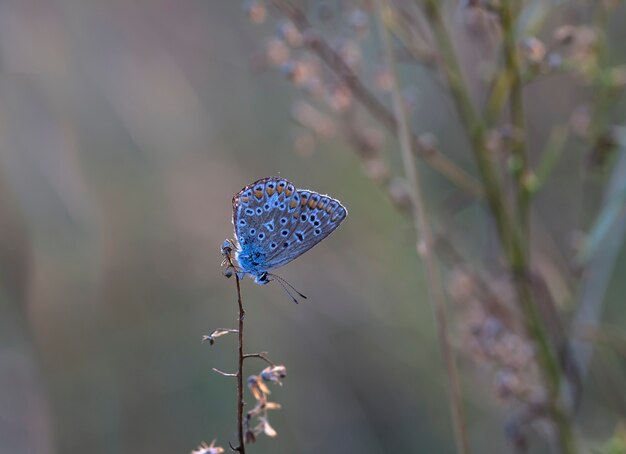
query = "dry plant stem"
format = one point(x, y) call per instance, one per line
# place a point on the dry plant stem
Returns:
point(513, 244)
point(317, 44)
point(423, 230)
point(241, 448)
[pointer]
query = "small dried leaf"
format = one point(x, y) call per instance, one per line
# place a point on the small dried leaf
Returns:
point(269, 430)
point(272, 406)
point(217, 333)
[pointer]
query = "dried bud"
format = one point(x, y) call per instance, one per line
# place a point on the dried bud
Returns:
point(427, 142)
point(277, 52)
point(288, 32)
point(399, 194)
point(533, 49)
point(249, 437)
point(340, 99)
point(507, 383)
point(255, 10)
point(274, 374)
point(296, 71)
point(228, 272)
point(377, 169)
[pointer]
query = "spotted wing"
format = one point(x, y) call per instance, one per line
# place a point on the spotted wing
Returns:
point(277, 223)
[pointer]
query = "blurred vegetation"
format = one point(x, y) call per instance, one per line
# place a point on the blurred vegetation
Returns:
point(125, 129)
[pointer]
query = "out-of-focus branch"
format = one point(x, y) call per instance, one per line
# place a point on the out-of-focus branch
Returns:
point(425, 243)
point(316, 43)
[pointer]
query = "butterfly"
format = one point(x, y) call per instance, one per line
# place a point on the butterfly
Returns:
point(275, 223)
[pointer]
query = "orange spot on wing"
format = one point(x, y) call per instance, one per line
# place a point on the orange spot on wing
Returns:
point(288, 192)
point(311, 203)
point(279, 189)
point(320, 205)
point(293, 203)
point(328, 210)
point(303, 201)
point(269, 191)
point(244, 199)
point(258, 193)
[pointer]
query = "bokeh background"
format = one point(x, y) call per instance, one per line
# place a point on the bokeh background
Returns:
point(125, 129)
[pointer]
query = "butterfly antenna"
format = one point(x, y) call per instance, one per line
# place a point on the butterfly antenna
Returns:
point(283, 281)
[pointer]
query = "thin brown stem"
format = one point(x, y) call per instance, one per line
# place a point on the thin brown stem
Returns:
point(261, 355)
point(240, 403)
point(425, 242)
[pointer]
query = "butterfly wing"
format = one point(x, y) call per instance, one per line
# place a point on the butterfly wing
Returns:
point(275, 223)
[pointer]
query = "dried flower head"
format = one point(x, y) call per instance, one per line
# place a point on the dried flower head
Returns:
point(208, 449)
point(258, 389)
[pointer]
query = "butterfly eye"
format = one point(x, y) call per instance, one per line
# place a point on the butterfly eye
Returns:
point(316, 223)
point(249, 211)
point(252, 231)
point(284, 232)
point(286, 244)
point(266, 206)
point(242, 222)
point(261, 236)
point(282, 206)
point(317, 231)
point(273, 246)
point(283, 221)
point(282, 184)
point(259, 211)
point(303, 217)
point(299, 236)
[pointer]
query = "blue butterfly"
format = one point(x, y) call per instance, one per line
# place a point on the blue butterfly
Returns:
point(276, 223)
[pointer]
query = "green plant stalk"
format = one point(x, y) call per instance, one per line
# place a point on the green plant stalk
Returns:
point(425, 238)
point(520, 157)
point(512, 242)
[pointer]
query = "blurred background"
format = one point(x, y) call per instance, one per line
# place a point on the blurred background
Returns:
point(125, 129)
